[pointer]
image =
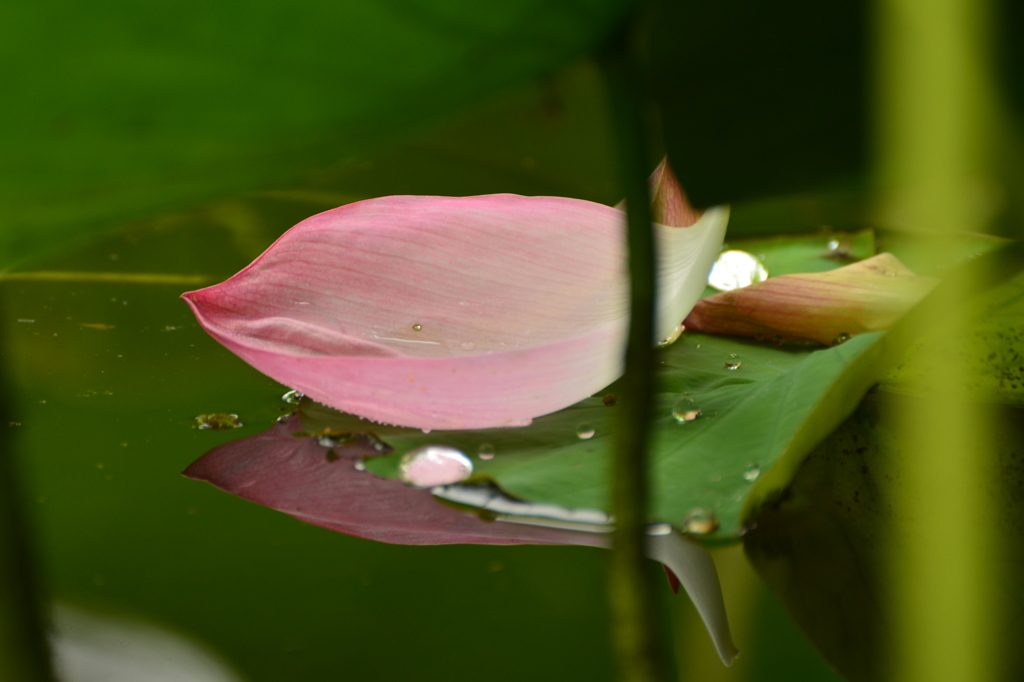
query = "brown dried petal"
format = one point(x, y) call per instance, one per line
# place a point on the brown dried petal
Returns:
point(815, 307)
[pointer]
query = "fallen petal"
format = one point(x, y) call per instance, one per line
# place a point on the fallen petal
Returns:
point(455, 313)
point(825, 308)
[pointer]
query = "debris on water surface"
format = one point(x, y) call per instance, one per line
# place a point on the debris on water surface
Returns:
point(218, 421)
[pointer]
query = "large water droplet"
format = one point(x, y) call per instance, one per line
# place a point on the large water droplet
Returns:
point(218, 421)
point(292, 397)
point(735, 270)
point(585, 431)
point(752, 472)
point(700, 521)
point(733, 361)
point(673, 337)
point(433, 465)
point(685, 410)
point(485, 451)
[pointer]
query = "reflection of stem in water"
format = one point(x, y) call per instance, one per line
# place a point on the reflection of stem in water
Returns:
point(244, 224)
point(126, 277)
point(24, 654)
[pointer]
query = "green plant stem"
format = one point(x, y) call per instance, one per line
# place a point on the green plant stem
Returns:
point(934, 103)
point(635, 637)
point(24, 653)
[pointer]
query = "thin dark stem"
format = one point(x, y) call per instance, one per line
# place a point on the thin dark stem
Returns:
point(24, 653)
point(634, 614)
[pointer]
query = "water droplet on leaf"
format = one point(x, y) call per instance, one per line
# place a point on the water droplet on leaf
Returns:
point(292, 397)
point(685, 410)
point(700, 521)
point(485, 451)
point(752, 472)
point(841, 338)
point(585, 431)
point(673, 337)
point(433, 465)
point(733, 361)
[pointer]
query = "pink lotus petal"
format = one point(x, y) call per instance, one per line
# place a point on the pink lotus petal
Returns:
point(454, 313)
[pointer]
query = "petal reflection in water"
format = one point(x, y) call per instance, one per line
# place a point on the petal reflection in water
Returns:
point(291, 474)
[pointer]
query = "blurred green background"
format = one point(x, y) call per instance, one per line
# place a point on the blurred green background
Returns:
point(182, 138)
